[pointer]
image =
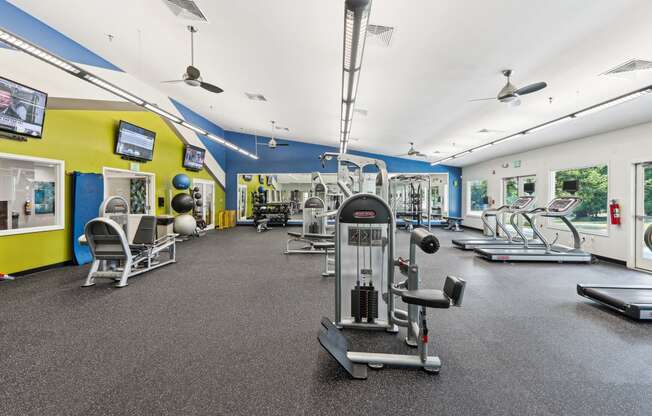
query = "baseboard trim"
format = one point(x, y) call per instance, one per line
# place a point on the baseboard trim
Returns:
point(610, 260)
point(42, 268)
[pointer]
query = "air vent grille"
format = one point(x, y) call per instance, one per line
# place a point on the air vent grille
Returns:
point(282, 128)
point(630, 66)
point(186, 9)
point(255, 97)
point(379, 35)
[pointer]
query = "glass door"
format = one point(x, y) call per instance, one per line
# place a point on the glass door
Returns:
point(643, 215)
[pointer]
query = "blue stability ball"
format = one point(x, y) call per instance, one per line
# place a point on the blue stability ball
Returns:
point(182, 203)
point(181, 181)
point(261, 189)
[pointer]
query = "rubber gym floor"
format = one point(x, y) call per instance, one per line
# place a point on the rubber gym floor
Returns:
point(231, 329)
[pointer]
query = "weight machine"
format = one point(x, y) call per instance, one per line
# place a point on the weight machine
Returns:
point(365, 290)
point(114, 256)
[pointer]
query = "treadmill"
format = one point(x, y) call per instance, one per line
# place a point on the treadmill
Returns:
point(632, 301)
point(471, 243)
point(519, 206)
point(561, 208)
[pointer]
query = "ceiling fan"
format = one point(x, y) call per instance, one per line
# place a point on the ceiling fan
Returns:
point(272, 143)
point(412, 152)
point(192, 76)
point(510, 94)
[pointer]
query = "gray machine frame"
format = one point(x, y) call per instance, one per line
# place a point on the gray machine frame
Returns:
point(371, 209)
point(314, 212)
point(114, 258)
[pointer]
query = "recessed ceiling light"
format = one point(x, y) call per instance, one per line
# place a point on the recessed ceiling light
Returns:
point(255, 96)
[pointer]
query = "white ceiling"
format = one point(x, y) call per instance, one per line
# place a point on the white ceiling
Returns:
point(443, 53)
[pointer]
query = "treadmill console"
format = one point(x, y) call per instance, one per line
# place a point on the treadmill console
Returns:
point(562, 205)
point(522, 202)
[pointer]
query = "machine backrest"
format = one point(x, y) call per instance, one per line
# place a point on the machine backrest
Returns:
point(106, 240)
point(146, 233)
point(454, 289)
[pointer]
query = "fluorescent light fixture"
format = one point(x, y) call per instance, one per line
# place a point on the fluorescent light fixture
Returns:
point(193, 128)
point(356, 17)
point(230, 145)
point(113, 89)
point(548, 124)
point(244, 152)
point(442, 160)
point(33, 50)
point(484, 146)
point(215, 138)
point(504, 139)
point(613, 102)
point(161, 112)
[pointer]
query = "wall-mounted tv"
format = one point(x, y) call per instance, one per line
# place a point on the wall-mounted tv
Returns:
point(135, 142)
point(22, 109)
point(193, 158)
point(528, 188)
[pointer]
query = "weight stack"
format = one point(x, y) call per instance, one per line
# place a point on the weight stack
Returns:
point(364, 303)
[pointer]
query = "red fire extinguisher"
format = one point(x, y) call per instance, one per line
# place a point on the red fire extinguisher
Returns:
point(614, 212)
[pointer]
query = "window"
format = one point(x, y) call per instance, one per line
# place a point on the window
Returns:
point(593, 186)
point(510, 190)
point(31, 194)
point(477, 199)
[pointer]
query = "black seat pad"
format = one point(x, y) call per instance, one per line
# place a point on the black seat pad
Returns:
point(323, 244)
point(429, 298)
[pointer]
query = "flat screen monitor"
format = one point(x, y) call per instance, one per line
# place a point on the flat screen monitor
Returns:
point(135, 142)
point(528, 187)
point(570, 186)
point(193, 158)
point(22, 109)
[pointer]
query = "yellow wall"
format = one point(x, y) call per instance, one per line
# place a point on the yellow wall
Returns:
point(252, 186)
point(85, 140)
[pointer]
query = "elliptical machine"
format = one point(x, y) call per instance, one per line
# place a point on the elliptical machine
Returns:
point(365, 291)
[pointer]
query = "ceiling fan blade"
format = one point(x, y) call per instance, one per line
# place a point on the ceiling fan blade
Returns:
point(192, 72)
point(528, 89)
point(211, 87)
point(482, 99)
point(175, 81)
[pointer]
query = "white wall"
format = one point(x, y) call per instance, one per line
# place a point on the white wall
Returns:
point(620, 149)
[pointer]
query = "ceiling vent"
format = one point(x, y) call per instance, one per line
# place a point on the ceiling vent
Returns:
point(186, 9)
point(282, 128)
point(360, 111)
point(255, 97)
point(629, 66)
point(379, 35)
point(487, 131)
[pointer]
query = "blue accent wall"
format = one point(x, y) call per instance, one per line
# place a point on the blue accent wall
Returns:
point(23, 24)
point(304, 158)
point(217, 150)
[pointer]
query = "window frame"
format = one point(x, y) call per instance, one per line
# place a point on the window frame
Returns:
point(469, 183)
point(551, 190)
point(60, 198)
